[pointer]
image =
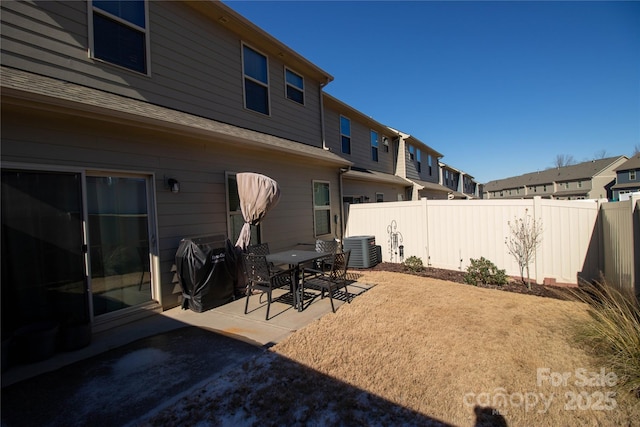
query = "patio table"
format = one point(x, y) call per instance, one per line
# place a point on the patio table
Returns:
point(294, 258)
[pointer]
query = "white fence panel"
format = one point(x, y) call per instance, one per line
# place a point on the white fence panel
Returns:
point(448, 233)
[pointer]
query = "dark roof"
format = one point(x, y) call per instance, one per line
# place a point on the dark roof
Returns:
point(433, 186)
point(632, 163)
point(584, 171)
point(370, 175)
point(33, 88)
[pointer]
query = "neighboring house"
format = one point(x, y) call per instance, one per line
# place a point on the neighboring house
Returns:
point(627, 177)
point(371, 146)
point(420, 164)
point(462, 185)
point(588, 180)
point(112, 152)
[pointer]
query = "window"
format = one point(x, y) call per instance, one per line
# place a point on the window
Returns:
point(566, 185)
point(256, 80)
point(385, 144)
point(236, 220)
point(418, 158)
point(430, 164)
point(321, 208)
point(374, 146)
point(345, 132)
point(632, 175)
point(379, 197)
point(579, 184)
point(119, 33)
point(295, 86)
point(411, 152)
point(544, 188)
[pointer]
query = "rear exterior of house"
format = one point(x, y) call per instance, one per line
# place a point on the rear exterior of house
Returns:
point(627, 178)
point(92, 134)
point(420, 164)
point(588, 180)
point(371, 147)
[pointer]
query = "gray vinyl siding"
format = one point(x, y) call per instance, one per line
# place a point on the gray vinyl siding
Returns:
point(199, 164)
point(195, 65)
point(360, 143)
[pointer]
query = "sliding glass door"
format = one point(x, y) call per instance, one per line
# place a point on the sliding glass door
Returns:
point(118, 213)
point(43, 269)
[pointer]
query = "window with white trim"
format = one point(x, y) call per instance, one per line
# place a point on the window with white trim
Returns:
point(430, 164)
point(321, 208)
point(374, 146)
point(411, 152)
point(632, 175)
point(294, 86)
point(118, 33)
point(345, 134)
point(419, 160)
point(256, 80)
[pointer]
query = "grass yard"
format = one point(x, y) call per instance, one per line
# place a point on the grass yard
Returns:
point(422, 351)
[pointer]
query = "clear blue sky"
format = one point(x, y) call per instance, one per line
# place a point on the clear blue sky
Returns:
point(499, 88)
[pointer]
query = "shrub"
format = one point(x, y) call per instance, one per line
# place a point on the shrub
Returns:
point(413, 263)
point(613, 331)
point(484, 271)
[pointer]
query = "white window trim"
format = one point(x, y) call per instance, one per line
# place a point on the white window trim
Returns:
point(91, 50)
point(244, 76)
point(632, 175)
point(320, 208)
point(287, 84)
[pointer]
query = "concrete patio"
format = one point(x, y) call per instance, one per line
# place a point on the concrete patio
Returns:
point(161, 356)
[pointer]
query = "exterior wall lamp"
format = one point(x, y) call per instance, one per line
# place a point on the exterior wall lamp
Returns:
point(174, 185)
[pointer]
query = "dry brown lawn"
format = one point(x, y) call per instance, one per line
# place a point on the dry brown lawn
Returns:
point(420, 351)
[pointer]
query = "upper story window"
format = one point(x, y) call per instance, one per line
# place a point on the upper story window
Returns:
point(374, 146)
point(256, 80)
point(321, 208)
point(418, 159)
point(385, 144)
point(295, 86)
point(430, 164)
point(566, 185)
point(379, 197)
point(411, 152)
point(632, 175)
point(579, 184)
point(118, 33)
point(345, 133)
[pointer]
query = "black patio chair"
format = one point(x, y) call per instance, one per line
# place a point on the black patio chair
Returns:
point(262, 277)
point(331, 280)
point(259, 249)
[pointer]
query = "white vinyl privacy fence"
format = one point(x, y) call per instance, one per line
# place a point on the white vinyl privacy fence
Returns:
point(448, 233)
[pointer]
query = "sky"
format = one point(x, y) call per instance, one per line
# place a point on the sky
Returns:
point(499, 88)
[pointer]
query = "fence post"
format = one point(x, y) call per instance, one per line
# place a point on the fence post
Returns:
point(635, 227)
point(537, 212)
point(425, 215)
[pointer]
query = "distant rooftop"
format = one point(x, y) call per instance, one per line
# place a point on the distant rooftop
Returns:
point(585, 170)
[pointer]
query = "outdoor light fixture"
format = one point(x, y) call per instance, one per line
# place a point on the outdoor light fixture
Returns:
point(174, 185)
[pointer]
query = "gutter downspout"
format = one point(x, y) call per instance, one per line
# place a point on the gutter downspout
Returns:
point(322, 130)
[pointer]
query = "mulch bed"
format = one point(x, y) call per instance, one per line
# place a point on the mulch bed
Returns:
point(458, 276)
